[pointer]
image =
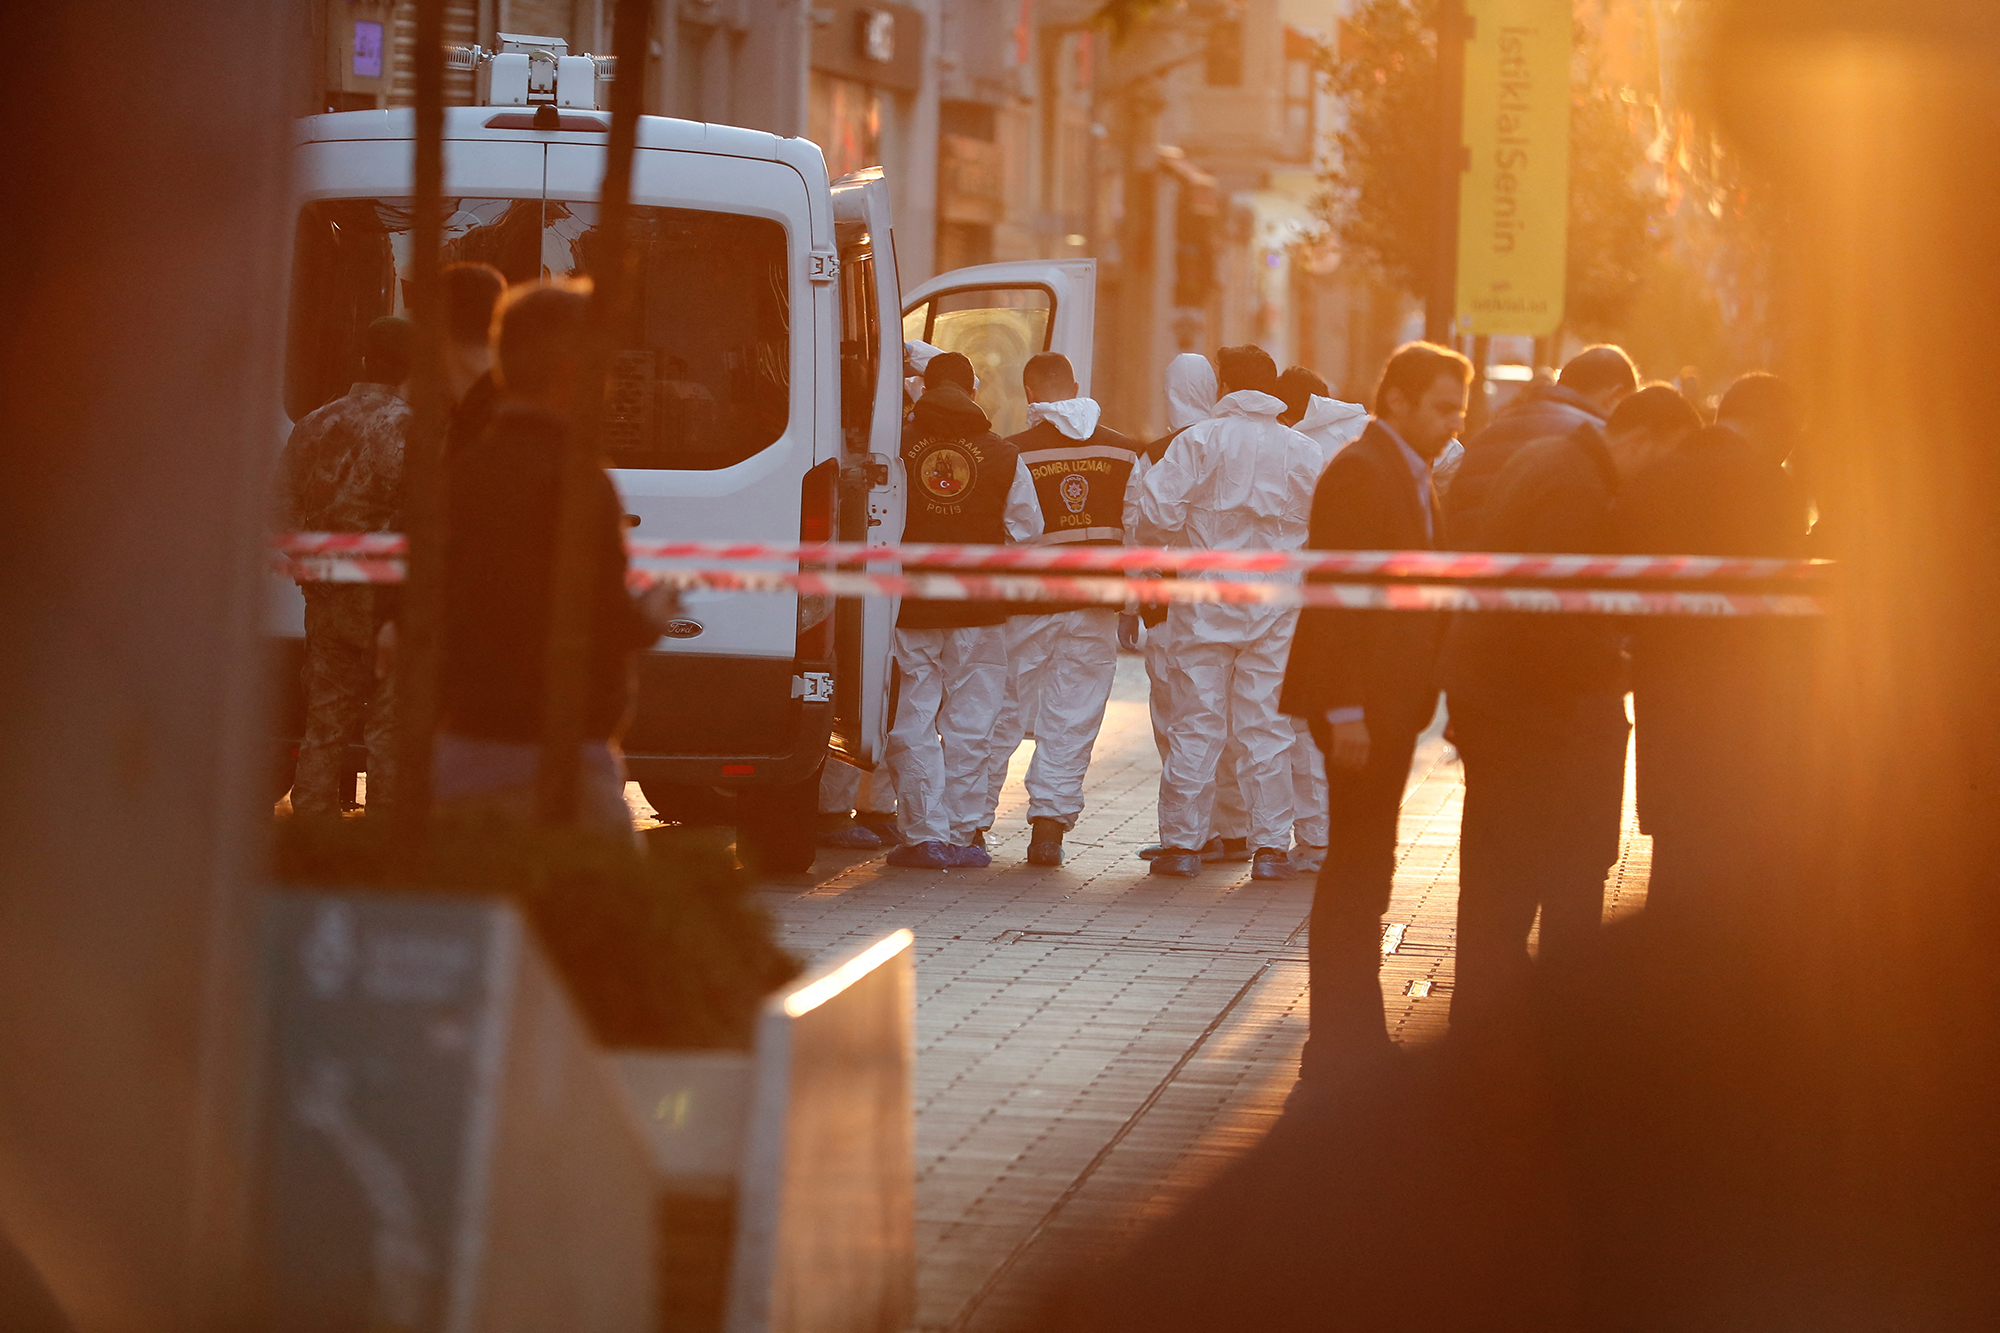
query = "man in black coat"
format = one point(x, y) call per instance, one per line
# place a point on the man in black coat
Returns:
point(1594, 382)
point(1538, 714)
point(1719, 742)
point(1365, 683)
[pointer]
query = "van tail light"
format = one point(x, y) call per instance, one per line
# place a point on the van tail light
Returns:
point(816, 501)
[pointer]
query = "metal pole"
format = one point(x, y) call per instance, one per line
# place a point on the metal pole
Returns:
point(1441, 298)
point(572, 609)
point(418, 636)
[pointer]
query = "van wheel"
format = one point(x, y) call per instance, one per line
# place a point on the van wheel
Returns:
point(678, 803)
point(776, 827)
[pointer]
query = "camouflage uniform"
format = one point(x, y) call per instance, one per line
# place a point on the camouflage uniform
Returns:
point(342, 472)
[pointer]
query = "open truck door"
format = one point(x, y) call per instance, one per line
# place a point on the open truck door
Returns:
point(871, 473)
point(999, 315)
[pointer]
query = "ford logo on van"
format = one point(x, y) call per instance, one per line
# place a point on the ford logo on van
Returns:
point(681, 629)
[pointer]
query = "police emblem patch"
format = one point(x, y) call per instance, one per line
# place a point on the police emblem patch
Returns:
point(947, 471)
point(1075, 491)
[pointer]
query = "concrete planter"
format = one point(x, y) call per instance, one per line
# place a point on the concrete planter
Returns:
point(445, 1146)
point(811, 1140)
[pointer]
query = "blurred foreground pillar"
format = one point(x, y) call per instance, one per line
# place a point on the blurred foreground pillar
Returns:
point(1881, 125)
point(141, 308)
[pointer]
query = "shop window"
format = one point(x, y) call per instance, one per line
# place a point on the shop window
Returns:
point(846, 122)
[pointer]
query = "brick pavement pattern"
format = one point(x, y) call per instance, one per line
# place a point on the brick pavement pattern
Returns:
point(1095, 1044)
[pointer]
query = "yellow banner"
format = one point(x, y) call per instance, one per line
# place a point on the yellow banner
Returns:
point(1513, 218)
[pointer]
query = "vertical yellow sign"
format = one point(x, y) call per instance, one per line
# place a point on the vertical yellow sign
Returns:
point(1513, 218)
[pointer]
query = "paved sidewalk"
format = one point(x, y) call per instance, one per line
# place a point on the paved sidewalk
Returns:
point(1093, 1043)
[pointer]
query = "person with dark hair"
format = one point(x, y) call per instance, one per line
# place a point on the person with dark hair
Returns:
point(503, 501)
point(1238, 481)
point(1763, 411)
point(1596, 380)
point(965, 485)
point(1313, 411)
point(1062, 656)
point(471, 292)
point(1718, 742)
point(342, 471)
point(1365, 682)
point(1538, 714)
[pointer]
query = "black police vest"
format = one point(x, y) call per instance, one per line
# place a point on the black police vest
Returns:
point(958, 482)
point(1080, 483)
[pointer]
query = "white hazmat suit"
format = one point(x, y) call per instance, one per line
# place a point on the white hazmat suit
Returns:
point(1062, 662)
point(1239, 481)
point(1191, 394)
point(1332, 425)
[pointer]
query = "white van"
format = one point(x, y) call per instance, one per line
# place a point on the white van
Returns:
point(759, 399)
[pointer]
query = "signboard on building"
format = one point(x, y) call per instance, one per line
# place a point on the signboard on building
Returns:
point(878, 44)
point(1513, 222)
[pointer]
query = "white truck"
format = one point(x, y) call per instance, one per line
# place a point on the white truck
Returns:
point(759, 397)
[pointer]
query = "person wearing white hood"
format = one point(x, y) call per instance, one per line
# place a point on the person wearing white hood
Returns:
point(1190, 399)
point(1239, 481)
point(1063, 655)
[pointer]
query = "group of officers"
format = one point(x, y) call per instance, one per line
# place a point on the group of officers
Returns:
point(1286, 736)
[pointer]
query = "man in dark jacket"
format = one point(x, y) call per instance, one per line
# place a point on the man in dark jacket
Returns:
point(1719, 740)
point(1594, 382)
point(1366, 683)
point(966, 485)
point(503, 499)
point(1538, 713)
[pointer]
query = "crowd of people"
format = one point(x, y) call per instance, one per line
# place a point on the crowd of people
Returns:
point(1285, 736)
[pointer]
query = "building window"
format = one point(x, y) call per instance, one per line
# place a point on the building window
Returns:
point(1225, 54)
point(1300, 88)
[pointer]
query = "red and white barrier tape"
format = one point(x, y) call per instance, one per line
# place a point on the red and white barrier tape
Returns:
point(375, 558)
point(1139, 559)
point(1106, 591)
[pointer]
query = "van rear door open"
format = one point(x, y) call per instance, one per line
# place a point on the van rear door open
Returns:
point(999, 315)
point(871, 416)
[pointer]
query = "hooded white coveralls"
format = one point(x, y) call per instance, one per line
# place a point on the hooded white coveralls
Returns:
point(1239, 481)
point(1062, 662)
point(1191, 391)
point(1332, 425)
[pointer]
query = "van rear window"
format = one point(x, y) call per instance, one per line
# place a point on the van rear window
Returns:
point(702, 377)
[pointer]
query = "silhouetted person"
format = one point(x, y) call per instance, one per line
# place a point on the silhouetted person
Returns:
point(471, 293)
point(503, 502)
point(1716, 700)
point(1366, 683)
point(1538, 713)
point(1596, 380)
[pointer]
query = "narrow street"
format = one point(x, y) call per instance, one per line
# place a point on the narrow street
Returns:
point(1094, 1044)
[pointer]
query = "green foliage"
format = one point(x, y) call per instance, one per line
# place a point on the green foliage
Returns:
point(660, 950)
point(1381, 194)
